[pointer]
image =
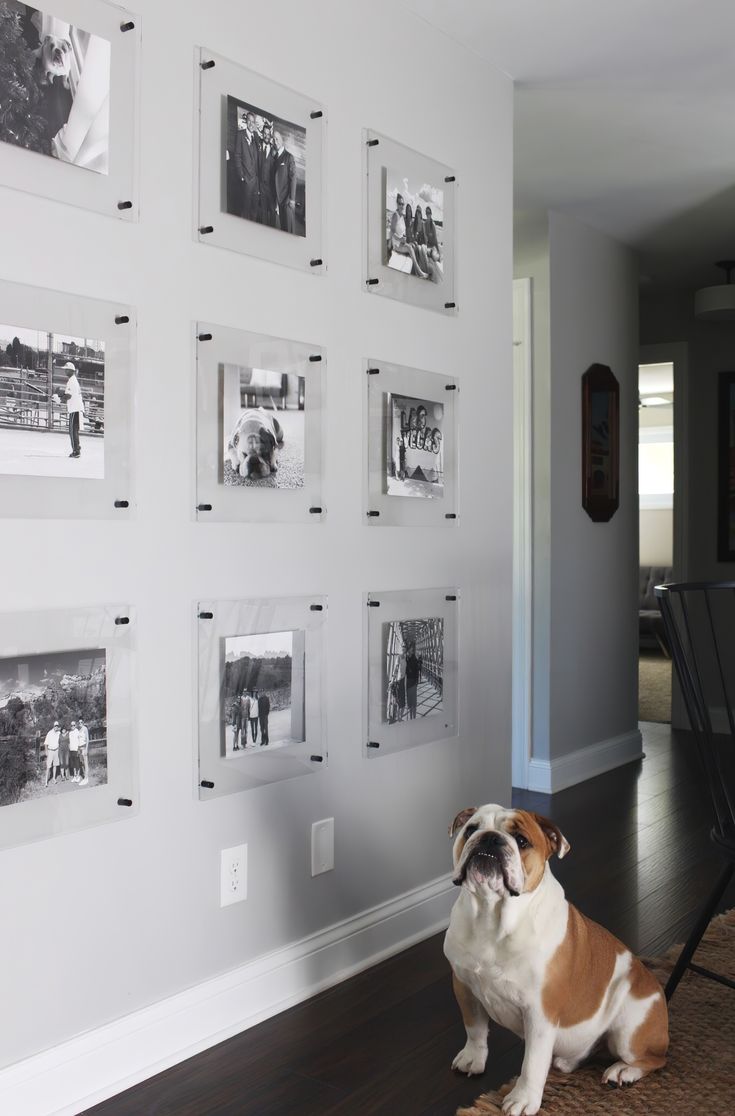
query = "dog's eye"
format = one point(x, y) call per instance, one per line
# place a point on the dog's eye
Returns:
point(521, 841)
point(470, 830)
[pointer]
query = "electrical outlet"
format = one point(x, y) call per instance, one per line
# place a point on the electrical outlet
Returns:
point(233, 875)
point(322, 846)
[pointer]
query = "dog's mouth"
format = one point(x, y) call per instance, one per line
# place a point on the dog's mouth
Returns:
point(254, 466)
point(487, 866)
point(57, 56)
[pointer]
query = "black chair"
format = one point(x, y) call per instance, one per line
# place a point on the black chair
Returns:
point(700, 625)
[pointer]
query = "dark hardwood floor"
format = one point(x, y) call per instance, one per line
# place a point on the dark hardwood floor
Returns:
point(381, 1044)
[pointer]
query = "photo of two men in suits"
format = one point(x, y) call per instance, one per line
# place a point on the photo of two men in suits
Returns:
point(266, 168)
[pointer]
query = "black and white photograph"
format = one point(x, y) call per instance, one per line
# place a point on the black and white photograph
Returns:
point(54, 87)
point(414, 668)
point(415, 447)
point(264, 698)
point(265, 167)
point(52, 404)
point(53, 724)
point(414, 227)
point(263, 427)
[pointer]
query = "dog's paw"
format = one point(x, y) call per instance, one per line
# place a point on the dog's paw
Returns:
point(522, 1101)
point(620, 1073)
point(471, 1060)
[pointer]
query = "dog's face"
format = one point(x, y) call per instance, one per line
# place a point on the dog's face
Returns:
point(503, 852)
point(252, 444)
point(55, 57)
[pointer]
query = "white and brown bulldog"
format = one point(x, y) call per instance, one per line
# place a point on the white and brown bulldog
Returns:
point(253, 444)
point(525, 957)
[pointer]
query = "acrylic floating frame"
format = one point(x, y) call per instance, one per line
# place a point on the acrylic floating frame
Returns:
point(263, 394)
point(38, 478)
point(407, 258)
point(90, 90)
point(411, 447)
point(285, 225)
point(412, 661)
point(57, 666)
point(247, 649)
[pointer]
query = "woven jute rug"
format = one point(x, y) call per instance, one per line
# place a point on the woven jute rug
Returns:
point(699, 1076)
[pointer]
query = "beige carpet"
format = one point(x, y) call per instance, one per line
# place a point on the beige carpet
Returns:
point(699, 1076)
point(654, 688)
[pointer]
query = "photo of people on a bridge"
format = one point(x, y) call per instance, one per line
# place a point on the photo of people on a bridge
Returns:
point(263, 692)
point(414, 668)
point(53, 724)
point(52, 404)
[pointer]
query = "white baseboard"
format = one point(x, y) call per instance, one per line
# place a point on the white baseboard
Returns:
point(550, 776)
point(90, 1068)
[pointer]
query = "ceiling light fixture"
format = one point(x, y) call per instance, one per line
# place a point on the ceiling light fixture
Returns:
point(717, 304)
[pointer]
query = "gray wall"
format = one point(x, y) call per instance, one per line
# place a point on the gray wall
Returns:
point(669, 317)
point(139, 901)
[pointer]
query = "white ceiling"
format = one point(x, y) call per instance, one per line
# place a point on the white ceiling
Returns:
point(624, 117)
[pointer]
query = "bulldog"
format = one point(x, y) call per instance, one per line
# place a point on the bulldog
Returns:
point(525, 957)
point(53, 59)
point(253, 444)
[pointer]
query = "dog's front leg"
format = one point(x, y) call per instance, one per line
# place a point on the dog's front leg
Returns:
point(473, 1055)
point(524, 1099)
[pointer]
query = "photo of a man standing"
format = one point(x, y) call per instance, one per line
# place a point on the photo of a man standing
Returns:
point(74, 408)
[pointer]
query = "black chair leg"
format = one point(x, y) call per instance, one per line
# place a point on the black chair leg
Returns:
point(700, 926)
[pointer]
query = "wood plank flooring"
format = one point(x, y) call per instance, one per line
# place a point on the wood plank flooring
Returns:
point(381, 1044)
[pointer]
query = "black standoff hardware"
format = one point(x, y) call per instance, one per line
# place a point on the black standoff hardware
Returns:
point(315, 115)
point(450, 387)
point(373, 514)
point(373, 604)
point(315, 511)
point(316, 263)
point(372, 282)
point(315, 358)
point(449, 305)
point(125, 205)
point(373, 371)
point(450, 178)
point(204, 336)
point(207, 783)
point(206, 616)
point(316, 608)
point(122, 319)
point(122, 619)
point(204, 507)
point(451, 597)
point(373, 143)
point(208, 65)
point(125, 802)
point(373, 744)
point(204, 229)
point(317, 759)
point(450, 515)
point(122, 503)
point(127, 26)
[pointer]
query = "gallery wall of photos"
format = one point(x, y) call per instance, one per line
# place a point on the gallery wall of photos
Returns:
point(255, 475)
point(67, 414)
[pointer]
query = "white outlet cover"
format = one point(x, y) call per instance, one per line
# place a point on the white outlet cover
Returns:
point(322, 846)
point(233, 875)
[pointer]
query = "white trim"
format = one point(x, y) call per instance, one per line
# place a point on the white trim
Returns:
point(94, 1066)
point(522, 531)
point(550, 776)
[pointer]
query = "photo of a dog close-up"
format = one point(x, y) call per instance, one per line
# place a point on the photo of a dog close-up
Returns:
point(263, 427)
point(525, 957)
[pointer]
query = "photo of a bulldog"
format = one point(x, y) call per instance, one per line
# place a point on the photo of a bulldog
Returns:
point(254, 443)
point(53, 59)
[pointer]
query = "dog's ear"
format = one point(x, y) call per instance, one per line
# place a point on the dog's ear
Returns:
point(267, 444)
point(462, 817)
point(554, 836)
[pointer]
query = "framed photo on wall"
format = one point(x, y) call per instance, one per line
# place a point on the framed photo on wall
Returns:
point(412, 669)
point(261, 692)
point(600, 443)
point(409, 226)
point(260, 166)
point(726, 468)
point(412, 450)
point(259, 413)
point(66, 743)
point(69, 94)
point(66, 396)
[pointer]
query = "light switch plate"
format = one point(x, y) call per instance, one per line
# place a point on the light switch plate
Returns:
point(322, 846)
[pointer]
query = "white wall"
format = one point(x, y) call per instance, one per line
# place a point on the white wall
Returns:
point(656, 536)
point(139, 901)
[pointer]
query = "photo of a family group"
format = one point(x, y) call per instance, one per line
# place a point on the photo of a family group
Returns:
point(54, 87)
point(263, 427)
point(415, 447)
point(413, 681)
point(52, 404)
point(264, 699)
point(265, 165)
point(53, 724)
point(414, 226)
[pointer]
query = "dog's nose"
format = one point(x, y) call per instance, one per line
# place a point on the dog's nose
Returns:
point(494, 839)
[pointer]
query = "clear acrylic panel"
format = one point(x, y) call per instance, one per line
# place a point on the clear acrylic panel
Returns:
point(412, 663)
point(67, 676)
point(411, 450)
point(59, 352)
point(410, 222)
point(261, 692)
point(259, 197)
point(78, 60)
point(259, 421)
